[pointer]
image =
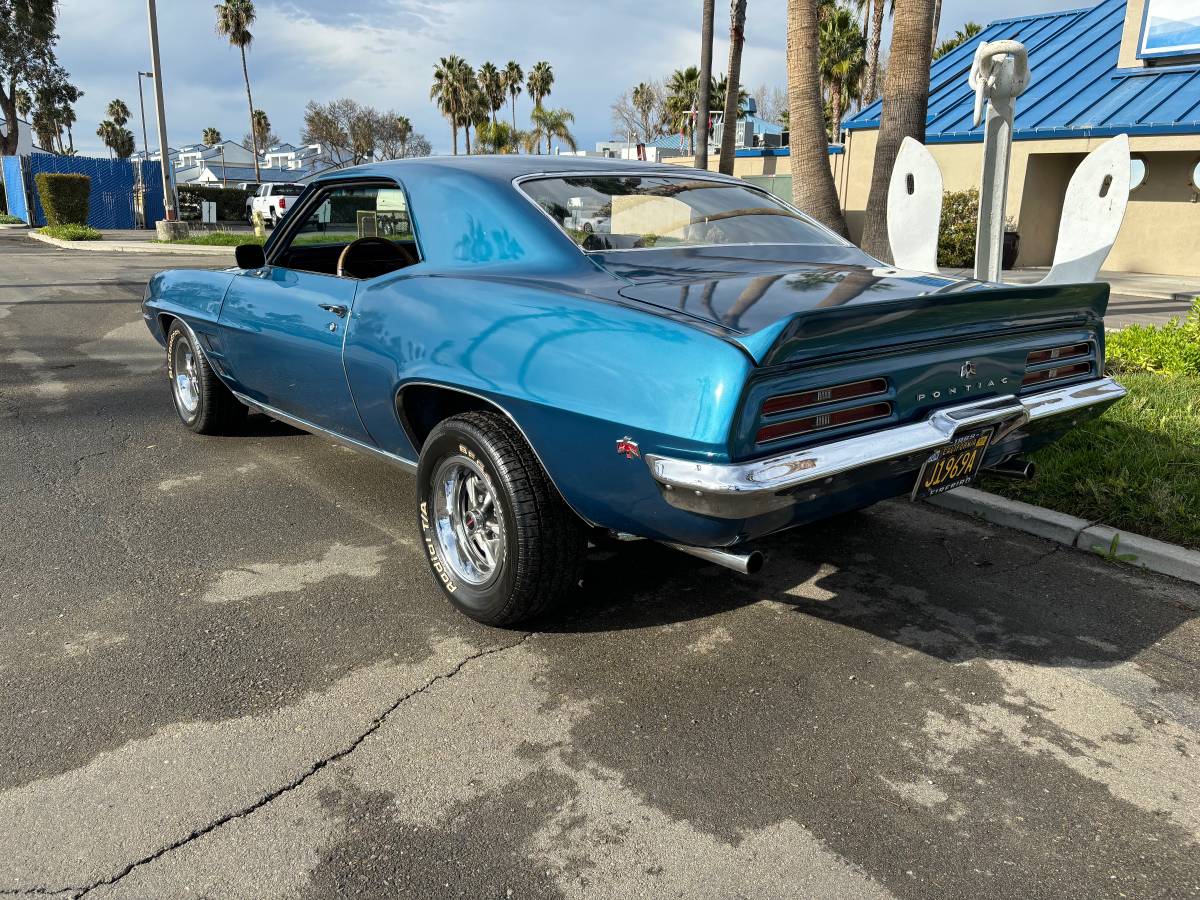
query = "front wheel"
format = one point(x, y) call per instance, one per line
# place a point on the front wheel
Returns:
point(204, 404)
point(502, 544)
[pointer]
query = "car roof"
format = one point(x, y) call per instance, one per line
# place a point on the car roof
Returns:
point(506, 167)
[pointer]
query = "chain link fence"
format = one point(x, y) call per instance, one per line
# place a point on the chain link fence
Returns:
point(124, 193)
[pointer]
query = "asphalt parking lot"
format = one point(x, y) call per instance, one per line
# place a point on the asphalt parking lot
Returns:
point(227, 673)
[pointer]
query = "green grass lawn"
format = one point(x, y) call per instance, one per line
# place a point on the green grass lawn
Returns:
point(1135, 468)
point(219, 239)
point(71, 233)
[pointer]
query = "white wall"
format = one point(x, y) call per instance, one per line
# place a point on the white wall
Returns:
point(24, 137)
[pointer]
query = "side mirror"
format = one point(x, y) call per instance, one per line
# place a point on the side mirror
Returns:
point(250, 256)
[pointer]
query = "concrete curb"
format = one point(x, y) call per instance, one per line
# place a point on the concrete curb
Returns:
point(1146, 553)
point(134, 247)
point(9, 227)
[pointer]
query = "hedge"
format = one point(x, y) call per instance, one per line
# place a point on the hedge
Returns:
point(231, 202)
point(64, 197)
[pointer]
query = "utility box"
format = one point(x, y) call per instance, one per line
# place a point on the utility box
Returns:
point(208, 212)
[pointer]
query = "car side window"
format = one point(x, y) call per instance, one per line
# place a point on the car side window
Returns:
point(347, 214)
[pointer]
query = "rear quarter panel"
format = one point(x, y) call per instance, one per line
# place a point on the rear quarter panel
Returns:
point(575, 372)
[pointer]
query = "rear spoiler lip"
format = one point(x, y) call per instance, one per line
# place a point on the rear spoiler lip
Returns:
point(810, 335)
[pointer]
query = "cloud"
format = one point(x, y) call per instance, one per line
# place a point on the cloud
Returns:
point(382, 52)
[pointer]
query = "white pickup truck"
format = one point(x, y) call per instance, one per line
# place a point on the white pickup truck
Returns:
point(273, 201)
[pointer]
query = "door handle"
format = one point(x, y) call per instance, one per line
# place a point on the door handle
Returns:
point(336, 308)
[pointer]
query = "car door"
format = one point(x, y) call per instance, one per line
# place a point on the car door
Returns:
point(282, 327)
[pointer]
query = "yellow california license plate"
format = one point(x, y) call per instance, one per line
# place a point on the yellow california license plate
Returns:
point(954, 465)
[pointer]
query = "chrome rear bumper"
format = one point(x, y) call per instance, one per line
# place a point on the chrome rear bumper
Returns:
point(744, 490)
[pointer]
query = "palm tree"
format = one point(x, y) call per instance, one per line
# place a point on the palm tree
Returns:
point(871, 92)
point(705, 99)
point(552, 124)
point(118, 112)
point(539, 83)
point(720, 86)
point(905, 105)
point(262, 130)
point(491, 85)
point(234, 18)
point(937, 23)
point(447, 90)
point(106, 132)
point(210, 136)
point(682, 88)
point(960, 37)
point(737, 35)
point(842, 61)
point(513, 78)
point(812, 180)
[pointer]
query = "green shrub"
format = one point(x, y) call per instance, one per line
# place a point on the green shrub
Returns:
point(6, 219)
point(1170, 349)
point(71, 233)
point(956, 237)
point(64, 197)
point(231, 202)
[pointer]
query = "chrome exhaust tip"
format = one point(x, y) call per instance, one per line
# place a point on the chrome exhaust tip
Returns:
point(745, 563)
point(1017, 468)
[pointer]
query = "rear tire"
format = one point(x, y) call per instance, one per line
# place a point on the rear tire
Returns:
point(500, 541)
point(204, 404)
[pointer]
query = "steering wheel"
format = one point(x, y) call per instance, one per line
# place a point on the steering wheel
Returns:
point(399, 253)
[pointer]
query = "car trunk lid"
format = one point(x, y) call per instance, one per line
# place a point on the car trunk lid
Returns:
point(800, 304)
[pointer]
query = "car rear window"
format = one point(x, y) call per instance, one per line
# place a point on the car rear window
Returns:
point(635, 212)
point(288, 190)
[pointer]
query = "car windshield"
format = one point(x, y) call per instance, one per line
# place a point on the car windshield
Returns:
point(605, 212)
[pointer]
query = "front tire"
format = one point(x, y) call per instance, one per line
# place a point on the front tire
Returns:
point(204, 404)
point(500, 541)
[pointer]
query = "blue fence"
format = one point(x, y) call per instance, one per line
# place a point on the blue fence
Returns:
point(14, 186)
point(117, 200)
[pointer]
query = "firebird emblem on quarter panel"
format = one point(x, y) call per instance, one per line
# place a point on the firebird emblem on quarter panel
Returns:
point(628, 448)
point(967, 370)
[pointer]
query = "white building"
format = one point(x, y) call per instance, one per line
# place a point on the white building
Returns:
point(24, 136)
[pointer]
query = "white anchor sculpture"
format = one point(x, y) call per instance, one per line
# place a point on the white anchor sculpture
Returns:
point(1093, 208)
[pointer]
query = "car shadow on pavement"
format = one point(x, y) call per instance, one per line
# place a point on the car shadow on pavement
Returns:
point(927, 580)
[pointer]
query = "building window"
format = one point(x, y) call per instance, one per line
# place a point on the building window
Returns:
point(1139, 170)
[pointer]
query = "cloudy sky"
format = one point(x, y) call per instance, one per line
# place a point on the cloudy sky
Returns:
point(381, 52)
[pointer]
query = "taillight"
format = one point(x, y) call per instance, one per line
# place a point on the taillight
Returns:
point(822, 421)
point(1075, 362)
point(805, 399)
point(283, 202)
point(813, 401)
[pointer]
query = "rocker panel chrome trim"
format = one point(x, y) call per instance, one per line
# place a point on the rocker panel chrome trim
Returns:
point(304, 425)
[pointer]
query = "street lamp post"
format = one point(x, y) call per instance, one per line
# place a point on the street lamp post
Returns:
point(168, 190)
point(142, 104)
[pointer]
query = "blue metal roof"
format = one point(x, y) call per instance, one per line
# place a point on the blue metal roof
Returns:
point(1076, 89)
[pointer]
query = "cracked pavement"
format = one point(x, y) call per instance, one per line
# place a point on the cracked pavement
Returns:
point(227, 674)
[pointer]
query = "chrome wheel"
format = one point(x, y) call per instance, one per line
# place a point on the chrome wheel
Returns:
point(468, 521)
point(185, 381)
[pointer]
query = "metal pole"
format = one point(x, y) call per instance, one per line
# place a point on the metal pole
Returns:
point(142, 104)
point(167, 175)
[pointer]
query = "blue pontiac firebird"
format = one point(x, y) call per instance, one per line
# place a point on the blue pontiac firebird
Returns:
point(560, 347)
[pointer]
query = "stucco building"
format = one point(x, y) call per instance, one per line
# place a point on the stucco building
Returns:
point(1092, 78)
